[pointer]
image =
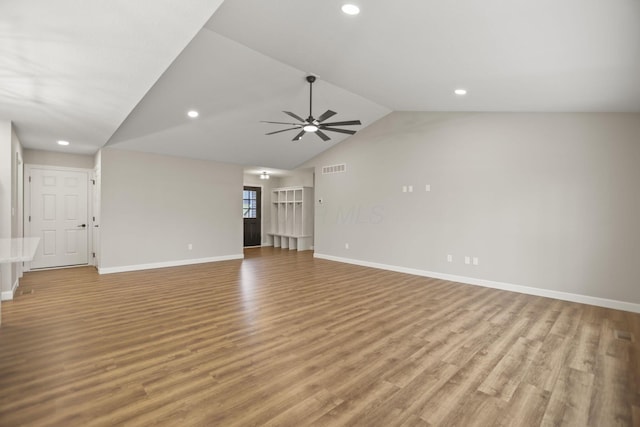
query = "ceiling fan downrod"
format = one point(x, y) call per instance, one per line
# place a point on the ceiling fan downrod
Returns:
point(311, 79)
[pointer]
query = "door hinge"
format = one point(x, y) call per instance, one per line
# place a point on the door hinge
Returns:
point(94, 254)
point(29, 179)
point(94, 218)
point(29, 218)
point(93, 181)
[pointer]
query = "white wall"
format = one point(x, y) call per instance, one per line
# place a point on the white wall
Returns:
point(5, 198)
point(10, 202)
point(154, 205)
point(548, 201)
point(298, 178)
point(97, 160)
point(17, 201)
point(55, 158)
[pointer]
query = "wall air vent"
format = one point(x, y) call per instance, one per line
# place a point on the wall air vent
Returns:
point(334, 169)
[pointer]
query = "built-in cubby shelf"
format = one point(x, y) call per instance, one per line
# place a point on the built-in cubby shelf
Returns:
point(292, 218)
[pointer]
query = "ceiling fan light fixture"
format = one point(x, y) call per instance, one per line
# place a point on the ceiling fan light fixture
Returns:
point(264, 175)
point(350, 9)
point(310, 128)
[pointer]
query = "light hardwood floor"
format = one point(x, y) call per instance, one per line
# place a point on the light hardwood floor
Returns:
point(283, 339)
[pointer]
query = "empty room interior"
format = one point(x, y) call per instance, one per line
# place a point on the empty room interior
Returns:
point(322, 213)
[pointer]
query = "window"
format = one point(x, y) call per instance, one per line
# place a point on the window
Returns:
point(249, 204)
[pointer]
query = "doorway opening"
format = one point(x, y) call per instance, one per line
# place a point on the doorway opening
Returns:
point(252, 215)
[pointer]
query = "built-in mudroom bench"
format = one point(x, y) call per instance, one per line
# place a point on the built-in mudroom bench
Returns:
point(292, 218)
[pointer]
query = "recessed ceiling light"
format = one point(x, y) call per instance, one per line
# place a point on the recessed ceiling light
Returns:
point(62, 142)
point(350, 9)
point(460, 92)
point(193, 114)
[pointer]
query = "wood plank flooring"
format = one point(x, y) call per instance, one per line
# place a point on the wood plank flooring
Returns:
point(282, 339)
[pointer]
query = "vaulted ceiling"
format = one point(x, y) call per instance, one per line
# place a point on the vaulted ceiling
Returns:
point(124, 73)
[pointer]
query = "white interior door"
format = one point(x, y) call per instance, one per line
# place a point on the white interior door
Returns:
point(59, 216)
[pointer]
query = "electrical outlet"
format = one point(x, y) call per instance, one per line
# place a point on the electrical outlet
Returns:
point(346, 246)
point(427, 187)
point(411, 189)
point(475, 260)
point(404, 188)
point(450, 258)
point(467, 260)
point(190, 246)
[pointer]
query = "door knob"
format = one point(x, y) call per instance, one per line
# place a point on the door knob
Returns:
point(82, 225)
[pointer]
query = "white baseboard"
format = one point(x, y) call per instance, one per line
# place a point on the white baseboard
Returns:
point(178, 263)
point(8, 295)
point(565, 296)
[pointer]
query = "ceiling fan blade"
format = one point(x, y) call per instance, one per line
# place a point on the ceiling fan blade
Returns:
point(281, 123)
point(347, 123)
point(298, 137)
point(283, 130)
point(295, 116)
point(326, 115)
point(322, 135)
point(350, 132)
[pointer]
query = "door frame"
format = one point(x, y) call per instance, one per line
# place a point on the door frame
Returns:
point(28, 167)
point(94, 218)
point(262, 231)
point(19, 204)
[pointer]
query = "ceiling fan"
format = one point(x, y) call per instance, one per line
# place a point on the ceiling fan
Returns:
point(313, 125)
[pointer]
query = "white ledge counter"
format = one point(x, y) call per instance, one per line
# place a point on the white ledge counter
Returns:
point(20, 249)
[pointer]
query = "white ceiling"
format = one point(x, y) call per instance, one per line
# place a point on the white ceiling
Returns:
point(76, 69)
point(73, 70)
point(523, 55)
point(234, 88)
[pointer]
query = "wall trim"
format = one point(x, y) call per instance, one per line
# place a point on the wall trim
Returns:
point(565, 296)
point(8, 295)
point(165, 264)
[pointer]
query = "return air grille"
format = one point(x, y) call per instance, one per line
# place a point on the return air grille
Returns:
point(334, 169)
